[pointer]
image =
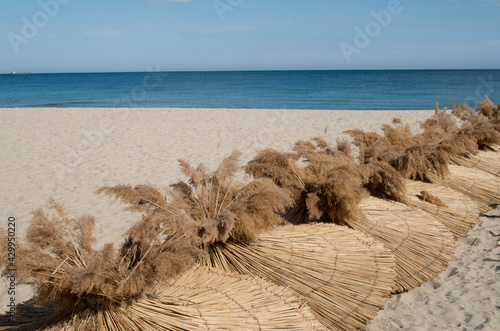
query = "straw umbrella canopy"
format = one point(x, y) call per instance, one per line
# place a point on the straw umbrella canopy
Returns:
point(455, 210)
point(344, 276)
point(421, 245)
point(200, 299)
point(488, 161)
point(480, 186)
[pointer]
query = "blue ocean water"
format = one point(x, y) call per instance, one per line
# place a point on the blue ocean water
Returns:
point(321, 89)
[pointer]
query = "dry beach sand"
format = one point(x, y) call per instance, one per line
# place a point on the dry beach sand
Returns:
point(69, 153)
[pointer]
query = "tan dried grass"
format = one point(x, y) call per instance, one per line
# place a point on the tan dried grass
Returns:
point(212, 205)
point(488, 108)
point(331, 184)
point(58, 256)
point(345, 276)
point(281, 167)
point(478, 127)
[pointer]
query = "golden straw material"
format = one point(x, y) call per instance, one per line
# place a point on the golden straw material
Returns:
point(485, 161)
point(458, 212)
point(204, 299)
point(480, 186)
point(421, 245)
point(344, 276)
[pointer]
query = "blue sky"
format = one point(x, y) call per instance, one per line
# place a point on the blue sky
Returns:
point(132, 35)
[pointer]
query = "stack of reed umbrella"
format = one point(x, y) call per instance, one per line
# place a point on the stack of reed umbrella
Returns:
point(430, 155)
point(343, 275)
point(383, 228)
point(473, 171)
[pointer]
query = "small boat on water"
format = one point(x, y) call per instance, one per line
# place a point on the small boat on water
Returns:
point(19, 73)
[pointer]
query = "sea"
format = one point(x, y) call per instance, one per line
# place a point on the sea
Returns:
point(301, 89)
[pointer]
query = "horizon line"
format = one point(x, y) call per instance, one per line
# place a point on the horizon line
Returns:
point(241, 70)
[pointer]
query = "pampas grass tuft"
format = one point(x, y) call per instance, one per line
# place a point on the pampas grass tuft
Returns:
point(78, 280)
point(171, 236)
point(332, 183)
point(212, 206)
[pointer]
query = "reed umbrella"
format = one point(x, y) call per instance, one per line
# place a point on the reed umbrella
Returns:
point(455, 210)
point(480, 186)
point(200, 299)
point(421, 245)
point(488, 161)
point(344, 276)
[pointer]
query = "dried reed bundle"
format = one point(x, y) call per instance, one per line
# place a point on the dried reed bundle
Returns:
point(421, 245)
point(211, 205)
point(411, 156)
point(344, 276)
point(58, 256)
point(441, 125)
point(281, 167)
point(454, 209)
point(417, 161)
point(480, 186)
point(332, 183)
point(400, 134)
point(432, 199)
point(327, 184)
point(477, 127)
point(199, 299)
point(80, 283)
point(442, 139)
point(488, 109)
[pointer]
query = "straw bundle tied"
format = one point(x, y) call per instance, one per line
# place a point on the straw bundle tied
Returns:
point(485, 161)
point(421, 245)
point(199, 299)
point(454, 209)
point(344, 276)
point(480, 186)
